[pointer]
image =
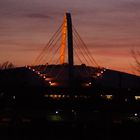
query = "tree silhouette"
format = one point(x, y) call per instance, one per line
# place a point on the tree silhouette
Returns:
point(136, 56)
point(6, 65)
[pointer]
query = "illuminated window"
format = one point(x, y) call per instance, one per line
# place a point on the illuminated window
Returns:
point(51, 96)
point(55, 96)
point(59, 96)
point(137, 97)
point(63, 96)
point(107, 97)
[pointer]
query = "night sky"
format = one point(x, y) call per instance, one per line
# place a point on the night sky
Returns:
point(110, 28)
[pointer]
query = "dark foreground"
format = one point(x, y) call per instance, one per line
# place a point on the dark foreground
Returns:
point(69, 121)
point(45, 130)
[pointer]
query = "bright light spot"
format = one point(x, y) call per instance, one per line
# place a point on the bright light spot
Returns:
point(51, 96)
point(136, 114)
point(55, 96)
point(53, 83)
point(102, 72)
point(14, 97)
point(56, 112)
point(98, 74)
point(63, 96)
point(59, 96)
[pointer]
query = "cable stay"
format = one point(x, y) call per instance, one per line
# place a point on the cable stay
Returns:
point(52, 52)
point(85, 48)
point(47, 46)
point(76, 54)
point(81, 52)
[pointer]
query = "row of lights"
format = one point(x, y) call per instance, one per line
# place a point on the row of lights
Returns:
point(110, 97)
point(44, 77)
point(59, 96)
point(49, 79)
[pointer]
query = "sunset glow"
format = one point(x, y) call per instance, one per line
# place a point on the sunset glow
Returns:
point(110, 29)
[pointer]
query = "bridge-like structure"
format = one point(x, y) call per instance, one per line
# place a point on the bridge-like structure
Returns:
point(79, 70)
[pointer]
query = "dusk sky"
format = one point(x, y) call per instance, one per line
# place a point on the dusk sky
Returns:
point(110, 28)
